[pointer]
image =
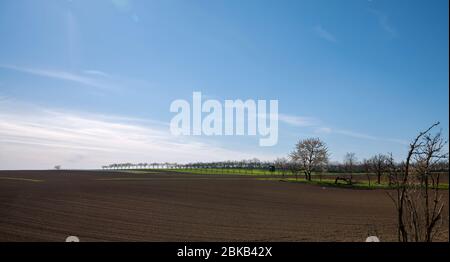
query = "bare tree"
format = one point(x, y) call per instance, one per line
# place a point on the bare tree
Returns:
point(311, 153)
point(281, 164)
point(294, 168)
point(367, 165)
point(350, 161)
point(419, 206)
point(378, 164)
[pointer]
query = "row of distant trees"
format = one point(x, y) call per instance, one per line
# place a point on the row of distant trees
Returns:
point(243, 164)
point(117, 166)
point(296, 164)
point(415, 180)
point(309, 156)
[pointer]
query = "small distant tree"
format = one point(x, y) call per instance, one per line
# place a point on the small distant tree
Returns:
point(378, 164)
point(281, 164)
point(350, 161)
point(311, 154)
point(294, 168)
point(253, 163)
point(366, 163)
point(57, 167)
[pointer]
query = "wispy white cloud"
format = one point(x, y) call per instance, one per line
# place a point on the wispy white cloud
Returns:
point(324, 34)
point(354, 134)
point(32, 137)
point(126, 6)
point(318, 128)
point(61, 75)
point(358, 135)
point(96, 73)
point(122, 5)
point(299, 121)
point(383, 21)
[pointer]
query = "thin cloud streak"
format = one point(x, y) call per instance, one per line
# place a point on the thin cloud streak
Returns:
point(310, 122)
point(60, 75)
point(353, 134)
point(324, 34)
point(96, 73)
point(42, 138)
point(299, 121)
point(383, 21)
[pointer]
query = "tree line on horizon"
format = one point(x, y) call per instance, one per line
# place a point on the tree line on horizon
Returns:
point(415, 181)
point(310, 156)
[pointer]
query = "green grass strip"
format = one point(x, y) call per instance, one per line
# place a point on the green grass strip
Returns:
point(22, 179)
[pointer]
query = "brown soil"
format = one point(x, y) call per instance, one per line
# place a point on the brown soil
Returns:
point(115, 206)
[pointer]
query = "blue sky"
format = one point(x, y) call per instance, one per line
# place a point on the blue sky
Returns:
point(86, 83)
